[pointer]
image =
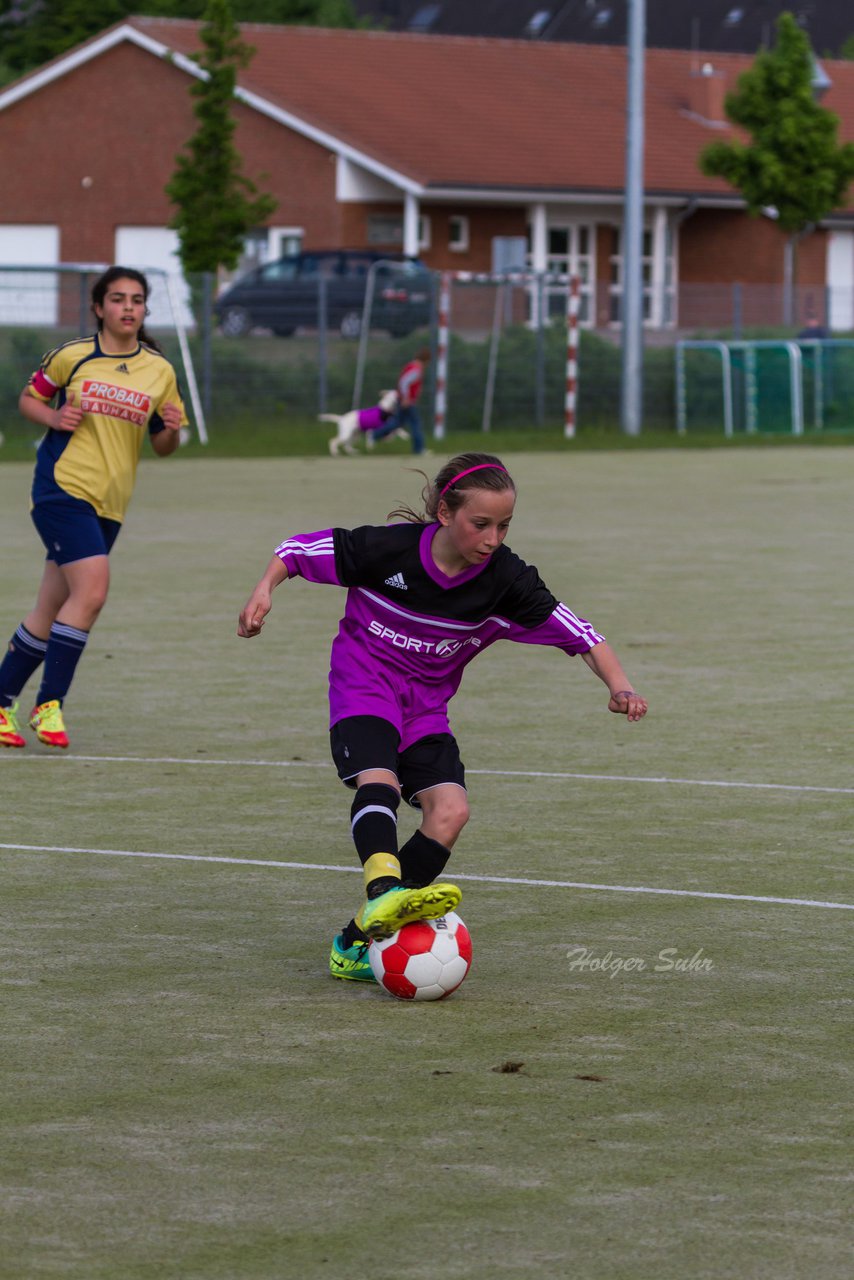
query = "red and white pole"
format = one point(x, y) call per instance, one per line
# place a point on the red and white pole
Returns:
point(573, 304)
point(440, 406)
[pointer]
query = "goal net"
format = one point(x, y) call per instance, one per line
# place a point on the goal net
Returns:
point(782, 386)
point(504, 352)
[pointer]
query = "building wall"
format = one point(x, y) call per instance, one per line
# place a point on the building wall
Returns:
point(119, 122)
point(94, 150)
point(728, 245)
point(485, 222)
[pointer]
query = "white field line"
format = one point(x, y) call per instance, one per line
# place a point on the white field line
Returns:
point(491, 773)
point(539, 884)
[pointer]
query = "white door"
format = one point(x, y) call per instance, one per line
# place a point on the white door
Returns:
point(28, 297)
point(570, 250)
point(155, 249)
point(283, 240)
point(840, 280)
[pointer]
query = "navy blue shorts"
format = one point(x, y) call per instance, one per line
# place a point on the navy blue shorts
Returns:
point(369, 742)
point(71, 529)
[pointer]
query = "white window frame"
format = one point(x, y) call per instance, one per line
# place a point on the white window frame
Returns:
point(390, 221)
point(659, 270)
point(276, 236)
point(395, 225)
point(260, 246)
point(570, 263)
point(458, 243)
point(425, 231)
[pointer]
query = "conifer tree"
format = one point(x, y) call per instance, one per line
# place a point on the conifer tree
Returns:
point(216, 205)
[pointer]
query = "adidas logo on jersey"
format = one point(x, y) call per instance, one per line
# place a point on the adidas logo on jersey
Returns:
point(122, 368)
point(396, 580)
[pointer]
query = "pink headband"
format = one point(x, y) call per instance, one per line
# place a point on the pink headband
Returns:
point(480, 467)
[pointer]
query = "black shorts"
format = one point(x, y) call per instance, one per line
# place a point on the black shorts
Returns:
point(71, 529)
point(369, 742)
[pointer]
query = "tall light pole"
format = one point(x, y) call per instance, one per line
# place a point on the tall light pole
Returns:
point(631, 404)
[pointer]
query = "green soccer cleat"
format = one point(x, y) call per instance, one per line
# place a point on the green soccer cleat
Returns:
point(350, 962)
point(10, 735)
point(381, 917)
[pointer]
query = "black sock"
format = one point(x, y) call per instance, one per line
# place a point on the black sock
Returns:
point(373, 820)
point(351, 934)
point(24, 654)
point(64, 650)
point(422, 860)
point(374, 826)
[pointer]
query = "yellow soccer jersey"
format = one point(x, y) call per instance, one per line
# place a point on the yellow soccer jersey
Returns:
point(121, 396)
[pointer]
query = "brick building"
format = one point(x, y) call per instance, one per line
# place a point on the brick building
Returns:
point(423, 144)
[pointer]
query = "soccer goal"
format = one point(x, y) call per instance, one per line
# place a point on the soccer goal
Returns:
point(524, 301)
point(504, 347)
point(767, 386)
point(53, 304)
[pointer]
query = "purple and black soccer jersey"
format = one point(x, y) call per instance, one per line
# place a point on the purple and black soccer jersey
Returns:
point(409, 630)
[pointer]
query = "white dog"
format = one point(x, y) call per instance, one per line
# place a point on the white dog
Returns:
point(357, 421)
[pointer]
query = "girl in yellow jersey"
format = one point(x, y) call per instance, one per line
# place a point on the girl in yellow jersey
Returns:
point(97, 397)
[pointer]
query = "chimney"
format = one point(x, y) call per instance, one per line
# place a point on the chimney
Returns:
point(706, 91)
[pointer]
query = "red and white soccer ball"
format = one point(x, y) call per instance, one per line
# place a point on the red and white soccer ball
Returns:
point(425, 960)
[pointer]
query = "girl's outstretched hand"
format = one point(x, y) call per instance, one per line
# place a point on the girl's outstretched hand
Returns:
point(628, 703)
point(257, 607)
point(260, 602)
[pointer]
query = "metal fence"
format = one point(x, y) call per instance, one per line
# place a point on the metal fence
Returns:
point(42, 307)
point(737, 310)
point(506, 351)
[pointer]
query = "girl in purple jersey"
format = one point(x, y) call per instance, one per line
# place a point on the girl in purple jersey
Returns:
point(424, 598)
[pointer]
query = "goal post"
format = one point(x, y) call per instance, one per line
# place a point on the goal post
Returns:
point(533, 285)
point(761, 381)
point(505, 346)
point(573, 307)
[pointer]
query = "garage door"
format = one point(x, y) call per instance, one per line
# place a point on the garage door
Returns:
point(840, 280)
point(28, 297)
point(155, 249)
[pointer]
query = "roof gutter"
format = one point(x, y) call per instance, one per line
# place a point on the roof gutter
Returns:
point(685, 213)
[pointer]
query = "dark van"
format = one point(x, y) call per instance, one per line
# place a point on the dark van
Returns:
point(285, 295)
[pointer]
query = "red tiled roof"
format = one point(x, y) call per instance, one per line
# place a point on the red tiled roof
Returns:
point(462, 111)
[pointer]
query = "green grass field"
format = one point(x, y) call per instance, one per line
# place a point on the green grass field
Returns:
point(187, 1093)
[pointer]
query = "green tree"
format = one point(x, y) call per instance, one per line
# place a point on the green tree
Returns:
point(34, 31)
point(215, 203)
point(306, 13)
point(38, 32)
point(794, 165)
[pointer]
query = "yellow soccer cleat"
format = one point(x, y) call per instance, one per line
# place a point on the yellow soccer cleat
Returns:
point(9, 727)
point(381, 917)
point(47, 721)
